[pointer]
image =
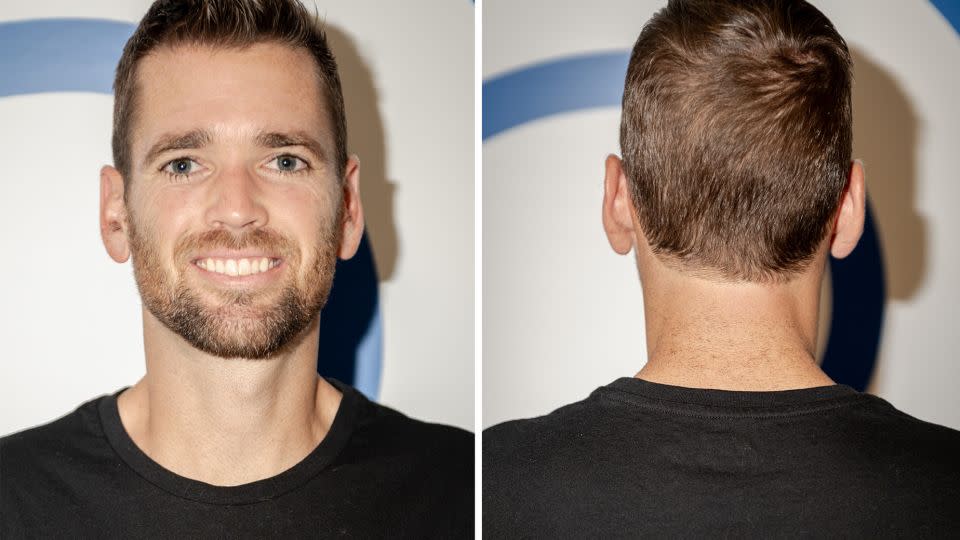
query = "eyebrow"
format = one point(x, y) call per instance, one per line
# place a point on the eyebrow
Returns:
point(296, 138)
point(197, 138)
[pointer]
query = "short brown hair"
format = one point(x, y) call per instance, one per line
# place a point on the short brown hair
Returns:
point(223, 23)
point(736, 134)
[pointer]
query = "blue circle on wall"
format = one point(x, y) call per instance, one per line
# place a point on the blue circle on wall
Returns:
point(595, 80)
point(80, 55)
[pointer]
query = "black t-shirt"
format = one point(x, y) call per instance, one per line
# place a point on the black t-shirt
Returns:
point(638, 459)
point(376, 474)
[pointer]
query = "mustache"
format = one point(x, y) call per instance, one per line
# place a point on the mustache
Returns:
point(262, 239)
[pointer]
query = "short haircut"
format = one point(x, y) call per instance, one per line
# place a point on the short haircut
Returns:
point(228, 24)
point(736, 135)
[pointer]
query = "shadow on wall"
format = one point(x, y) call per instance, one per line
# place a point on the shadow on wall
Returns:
point(885, 131)
point(366, 139)
point(354, 301)
point(889, 263)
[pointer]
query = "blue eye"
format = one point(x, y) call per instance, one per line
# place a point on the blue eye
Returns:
point(180, 167)
point(288, 164)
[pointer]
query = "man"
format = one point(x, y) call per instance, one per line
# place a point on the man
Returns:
point(233, 194)
point(735, 186)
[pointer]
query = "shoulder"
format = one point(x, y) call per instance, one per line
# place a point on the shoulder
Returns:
point(60, 439)
point(68, 450)
point(542, 451)
point(392, 432)
point(904, 437)
point(429, 466)
point(887, 413)
point(401, 449)
point(510, 440)
point(528, 462)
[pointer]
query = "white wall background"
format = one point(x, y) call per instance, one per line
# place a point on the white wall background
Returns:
point(70, 317)
point(562, 314)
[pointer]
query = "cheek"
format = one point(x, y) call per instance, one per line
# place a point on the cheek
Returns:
point(310, 222)
point(163, 218)
point(307, 212)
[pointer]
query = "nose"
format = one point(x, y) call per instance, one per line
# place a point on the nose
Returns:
point(236, 201)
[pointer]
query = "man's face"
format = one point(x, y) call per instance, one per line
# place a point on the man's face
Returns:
point(234, 207)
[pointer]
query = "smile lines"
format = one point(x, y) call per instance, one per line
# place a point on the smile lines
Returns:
point(237, 267)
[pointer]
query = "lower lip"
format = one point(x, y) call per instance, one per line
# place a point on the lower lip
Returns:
point(249, 279)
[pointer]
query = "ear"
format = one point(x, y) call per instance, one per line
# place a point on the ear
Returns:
point(352, 223)
point(849, 221)
point(617, 207)
point(113, 215)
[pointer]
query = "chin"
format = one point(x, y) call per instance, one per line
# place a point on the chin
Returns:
point(242, 343)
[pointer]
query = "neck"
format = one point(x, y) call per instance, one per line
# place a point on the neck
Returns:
point(227, 421)
point(702, 333)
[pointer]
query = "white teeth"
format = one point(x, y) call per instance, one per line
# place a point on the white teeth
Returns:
point(237, 267)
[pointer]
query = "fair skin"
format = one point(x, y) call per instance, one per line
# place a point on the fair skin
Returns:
point(230, 421)
point(703, 332)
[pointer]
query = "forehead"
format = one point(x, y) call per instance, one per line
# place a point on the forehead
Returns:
point(262, 87)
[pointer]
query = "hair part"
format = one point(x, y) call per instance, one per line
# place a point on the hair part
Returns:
point(736, 135)
point(226, 24)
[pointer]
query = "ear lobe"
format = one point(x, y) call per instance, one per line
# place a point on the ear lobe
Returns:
point(617, 207)
point(113, 215)
point(851, 215)
point(352, 224)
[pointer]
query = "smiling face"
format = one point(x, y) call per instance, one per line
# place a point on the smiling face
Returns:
point(234, 213)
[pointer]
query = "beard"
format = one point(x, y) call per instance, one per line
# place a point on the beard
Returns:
point(237, 324)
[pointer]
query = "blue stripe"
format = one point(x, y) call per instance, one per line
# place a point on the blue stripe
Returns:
point(370, 357)
point(60, 55)
point(564, 85)
point(950, 9)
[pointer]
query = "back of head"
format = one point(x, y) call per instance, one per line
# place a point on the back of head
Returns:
point(736, 135)
point(228, 24)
